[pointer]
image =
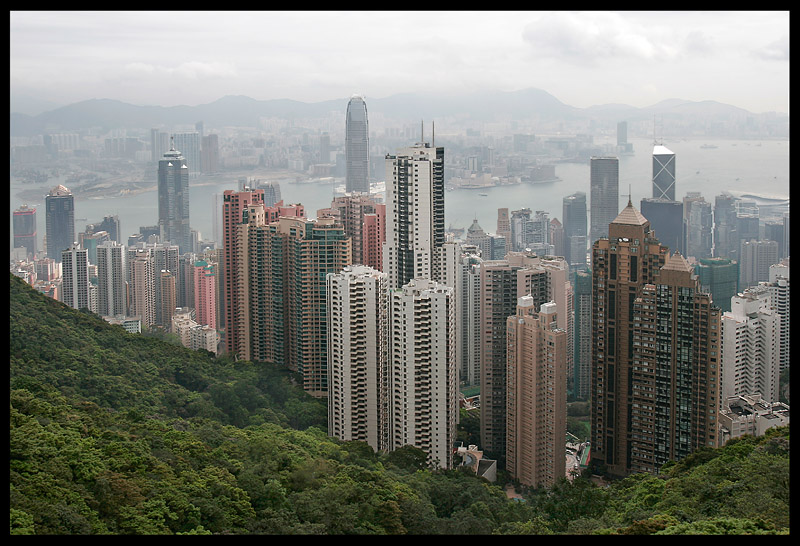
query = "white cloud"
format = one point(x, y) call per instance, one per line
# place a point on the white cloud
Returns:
point(582, 58)
point(592, 37)
point(776, 51)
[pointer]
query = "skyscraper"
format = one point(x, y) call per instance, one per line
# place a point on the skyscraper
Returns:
point(357, 146)
point(25, 229)
point(414, 214)
point(476, 236)
point(604, 188)
point(468, 322)
point(504, 226)
point(159, 144)
point(110, 224)
point(112, 292)
point(726, 238)
point(502, 282)
point(374, 235)
point(234, 204)
point(622, 133)
point(519, 228)
point(751, 346)
point(75, 277)
point(778, 287)
point(351, 211)
point(423, 382)
point(537, 395)
point(142, 300)
point(165, 258)
point(698, 224)
point(314, 249)
point(173, 200)
point(205, 297)
point(582, 334)
point(720, 278)
point(557, 238)
point(209, 154)
point(278, 310)
point(655, 353)
point(624, 261)
point(262, 276)
point(666, 220)
point(574, 220)
point(189, 145)
point(755, 257)
point(675, 381)
point(358, 355)
point(166, 306)
point(60, 221)
point(663, 173)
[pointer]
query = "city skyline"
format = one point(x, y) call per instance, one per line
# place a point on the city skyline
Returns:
point(630, 57)
point(639, 336)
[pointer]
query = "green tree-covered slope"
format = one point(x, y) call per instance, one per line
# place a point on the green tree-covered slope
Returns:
point(116, 433)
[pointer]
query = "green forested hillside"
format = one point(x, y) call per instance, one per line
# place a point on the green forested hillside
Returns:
point(116, 433)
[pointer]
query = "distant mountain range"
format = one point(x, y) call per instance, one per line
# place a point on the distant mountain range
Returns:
point(237, 110)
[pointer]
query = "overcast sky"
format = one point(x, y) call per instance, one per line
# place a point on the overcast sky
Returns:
point(582, 58)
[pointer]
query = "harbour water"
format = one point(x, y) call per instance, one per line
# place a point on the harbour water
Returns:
point(702, 165)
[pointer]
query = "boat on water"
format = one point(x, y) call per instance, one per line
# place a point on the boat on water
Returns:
point(483, 194)
point(708, 146)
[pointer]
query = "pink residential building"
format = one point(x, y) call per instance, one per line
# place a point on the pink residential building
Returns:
point(279, 210)
point(234, 204)
point(374, 236)
point(205, 294)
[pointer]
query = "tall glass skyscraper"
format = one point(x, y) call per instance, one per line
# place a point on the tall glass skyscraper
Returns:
point(574, 220)
point(663, 173)
point(604, 187)
point(60, 221)
point(357, 146)
point(173, 200)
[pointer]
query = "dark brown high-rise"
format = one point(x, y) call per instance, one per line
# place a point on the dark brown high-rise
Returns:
point(655, 352)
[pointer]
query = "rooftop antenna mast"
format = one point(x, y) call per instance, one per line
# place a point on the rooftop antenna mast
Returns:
point(655, 140)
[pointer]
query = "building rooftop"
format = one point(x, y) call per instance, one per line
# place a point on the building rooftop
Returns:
point(677, 262)
point(630, 216)
point(662, 150)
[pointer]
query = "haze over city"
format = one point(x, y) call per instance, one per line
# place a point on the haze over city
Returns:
point(399, 272)
point(170, 58)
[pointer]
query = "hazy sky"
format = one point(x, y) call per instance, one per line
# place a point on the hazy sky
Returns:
point(582, 58)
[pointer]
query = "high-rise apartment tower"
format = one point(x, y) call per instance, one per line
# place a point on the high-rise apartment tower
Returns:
point(655, 353)
point(537, 395)
point(423, 383)
point(414, 214)
point(25, 229)
point(358, 355)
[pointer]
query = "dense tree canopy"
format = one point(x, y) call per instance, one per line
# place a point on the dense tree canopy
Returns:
point(117, 433)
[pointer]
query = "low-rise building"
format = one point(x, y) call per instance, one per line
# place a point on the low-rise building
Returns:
point(750, 414)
